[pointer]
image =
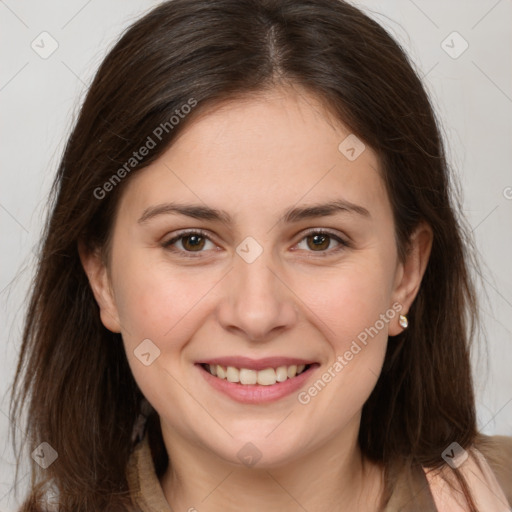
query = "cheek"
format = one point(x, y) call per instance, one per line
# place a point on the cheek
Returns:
point(166, 306)
point(353, 313)
point(350, 300)
point(152, 299)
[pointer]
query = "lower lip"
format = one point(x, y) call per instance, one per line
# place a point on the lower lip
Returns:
point(255, 393)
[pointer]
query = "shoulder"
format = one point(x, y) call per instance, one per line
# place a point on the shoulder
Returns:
point(497, 451)
point(487, 469)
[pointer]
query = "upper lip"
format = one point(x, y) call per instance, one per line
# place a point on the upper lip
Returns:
point(255, 364)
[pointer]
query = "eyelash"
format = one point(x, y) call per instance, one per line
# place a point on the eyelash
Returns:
point(168, 245)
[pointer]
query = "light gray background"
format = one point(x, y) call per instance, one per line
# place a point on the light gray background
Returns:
point(472, 94)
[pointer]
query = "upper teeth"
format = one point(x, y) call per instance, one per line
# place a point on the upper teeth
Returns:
point(265, 377)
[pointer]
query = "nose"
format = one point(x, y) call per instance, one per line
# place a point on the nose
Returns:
point(257, 301)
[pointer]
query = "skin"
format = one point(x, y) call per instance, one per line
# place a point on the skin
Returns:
point(484, 486)
point(254, 159)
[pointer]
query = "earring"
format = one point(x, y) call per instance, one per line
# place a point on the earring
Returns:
point(403, 321)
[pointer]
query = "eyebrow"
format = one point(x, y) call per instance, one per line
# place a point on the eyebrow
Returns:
point(291, 215)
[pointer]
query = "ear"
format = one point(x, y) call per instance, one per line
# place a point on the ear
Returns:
point(101, 287)
point(410, 273)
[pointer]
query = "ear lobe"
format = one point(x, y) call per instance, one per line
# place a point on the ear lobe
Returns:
point(410, 272)
point(99, 281)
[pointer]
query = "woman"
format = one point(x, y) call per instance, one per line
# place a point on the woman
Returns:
point(254, 288)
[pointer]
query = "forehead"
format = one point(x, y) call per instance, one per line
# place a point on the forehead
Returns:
point(263, 152)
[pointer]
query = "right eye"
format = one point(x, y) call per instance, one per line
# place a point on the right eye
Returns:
point(192, 241)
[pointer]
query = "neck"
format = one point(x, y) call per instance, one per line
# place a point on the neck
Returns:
point(333, 476)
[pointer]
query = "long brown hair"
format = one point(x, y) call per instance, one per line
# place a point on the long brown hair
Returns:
point(73, 378)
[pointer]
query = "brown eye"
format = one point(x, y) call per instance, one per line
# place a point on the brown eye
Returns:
point(193, 242)
point(319, 241)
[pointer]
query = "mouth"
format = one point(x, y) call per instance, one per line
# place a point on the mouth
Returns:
point(248, 376)
point(255, 382)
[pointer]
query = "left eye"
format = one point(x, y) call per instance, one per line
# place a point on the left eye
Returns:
point(321, 240)
point(195, 242)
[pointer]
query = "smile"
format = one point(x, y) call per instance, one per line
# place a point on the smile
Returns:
point(260, 381)
point(246, 376)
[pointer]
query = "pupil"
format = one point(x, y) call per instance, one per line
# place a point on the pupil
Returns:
point(319, 240)
point(193, 241)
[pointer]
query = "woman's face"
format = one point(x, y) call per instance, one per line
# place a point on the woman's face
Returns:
point(255, 286)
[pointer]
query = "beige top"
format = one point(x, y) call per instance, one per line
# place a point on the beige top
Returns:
point(416, 490)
